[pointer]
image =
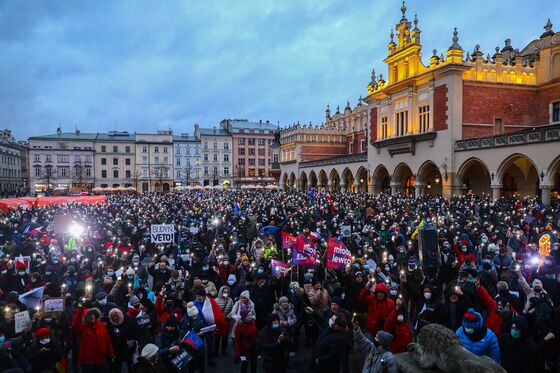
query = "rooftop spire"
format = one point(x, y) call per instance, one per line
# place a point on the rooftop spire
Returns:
point(455, 39)
point(415, 21)
point(403, 10)
point(547, 29)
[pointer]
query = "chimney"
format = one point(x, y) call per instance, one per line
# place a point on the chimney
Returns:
point(260, 120)
point(58, 130)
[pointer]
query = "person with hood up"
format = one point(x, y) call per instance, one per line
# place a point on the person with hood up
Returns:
point(273, 344)
point(94, 341)
point(124, 335)
point(245, 341)
point(235, 286)
point(379, 359)
point(226, 305)
point(142, 318)
point(168, 341)
point(518, 350)
point(430, 311)
point(536, 291)
point(454, 307)
point(476, 338)
point(44, 352)
point(263, 297)
point(148, 362)
point(244, 302)
point(379, 306)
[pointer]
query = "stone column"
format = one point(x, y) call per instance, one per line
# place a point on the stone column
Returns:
point(329, 187)
point(395, 188)
point(342, 187)
point(545, 191)
point(419, 189)
point(496, 192)
point(370, 188)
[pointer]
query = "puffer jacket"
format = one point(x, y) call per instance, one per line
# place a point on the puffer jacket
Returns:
point(401, 331)
point(288, 315)
point(377, 359)
point(95, 343)
point(225, 304)
point(483, 342)
point(378, 310)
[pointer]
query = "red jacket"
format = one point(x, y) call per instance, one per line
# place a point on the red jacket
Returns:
point(245, 338)
point(494, 320)
point(163, 314)
point(95, 343)
point(376, 309)
point(462, 257)
point(401, 331)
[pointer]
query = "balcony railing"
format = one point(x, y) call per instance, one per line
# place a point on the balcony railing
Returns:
point(531, 136)
point(339, 159)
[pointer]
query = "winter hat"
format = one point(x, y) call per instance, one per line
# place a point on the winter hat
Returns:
point(119, 314)
point(337, 300)
point(245, 294)
point(472, 319)
point(163, 258)
point(294, 285)
point(502, 286)
point(171, 321)
point(92, 311)
point(244, 258)
point(136, 257)
point(100, 295)
point(149, 351)
point(282, 299)
point(232, 277)
point(134, 300)
point(201, 292)
point(385, 339)
point(42, 332)
point(192, 311)
point(197, 283)
point(537, 282)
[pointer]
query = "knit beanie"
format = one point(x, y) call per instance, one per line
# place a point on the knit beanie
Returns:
point(537, 282)
point(245, 294)
point(192, 311)
point(472, 319)
point(385, 339)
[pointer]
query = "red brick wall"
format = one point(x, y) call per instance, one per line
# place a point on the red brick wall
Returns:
point(314, 152)
point(358, 141)
point(373, 125)
point(545, 97)
point(440, 107)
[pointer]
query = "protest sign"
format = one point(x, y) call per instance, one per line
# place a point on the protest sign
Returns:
point(338, 255)
point(305, 252)
point(21, 321)
point(52, 305)
point(32, 298)
point(162, 233)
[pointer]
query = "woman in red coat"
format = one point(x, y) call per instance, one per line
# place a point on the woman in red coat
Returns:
point(397, 324)
point(379, 306)
point(246, 335)
point(95, 344)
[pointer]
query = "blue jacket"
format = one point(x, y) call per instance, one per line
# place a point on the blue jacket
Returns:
point(488, 345)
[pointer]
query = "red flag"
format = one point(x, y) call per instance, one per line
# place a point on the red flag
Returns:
point(338, 255)
point(305, 248)
point(288, 241)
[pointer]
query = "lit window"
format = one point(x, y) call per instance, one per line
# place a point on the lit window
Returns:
point(384, 128)
point(402, 123)
point(424, 118)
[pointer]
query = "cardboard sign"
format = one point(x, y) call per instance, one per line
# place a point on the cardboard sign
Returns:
point(162, 233)
point(53, 305)
point(21, 321)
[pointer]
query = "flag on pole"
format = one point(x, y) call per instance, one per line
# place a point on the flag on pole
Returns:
point(193, 340)
point(338, 255)
point(32, 299)
point(415, 233)
point(310, 194)
point(288, 241)
point(279, 267)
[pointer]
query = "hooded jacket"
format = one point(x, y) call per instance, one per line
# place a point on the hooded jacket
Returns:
point(378, 310)
point(518, 355)
point(95, 343)
point(225, 304)
point(378, 359)
point(287, 315)
point(401, 330)
point(235, 313)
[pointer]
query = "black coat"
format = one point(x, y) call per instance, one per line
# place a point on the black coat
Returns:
point(263, 298)
point(274, 354)
point(330, 349)
point(519, 356)
point(121, 334)
point(44, 357)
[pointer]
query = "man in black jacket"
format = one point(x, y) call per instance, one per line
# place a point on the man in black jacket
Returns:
point(330, 348)
point(263, 297)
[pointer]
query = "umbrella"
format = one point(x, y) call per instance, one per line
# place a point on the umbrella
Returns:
point(270, 228)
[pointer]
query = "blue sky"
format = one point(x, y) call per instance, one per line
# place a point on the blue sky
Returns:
point(148, 65)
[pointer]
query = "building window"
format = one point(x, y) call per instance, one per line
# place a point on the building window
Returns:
point(251, 151)
point(88, 171)
point(226, 157)
point(103, 161)
point(144, 160)
point(251, 161)
point(116, 174)
point(177, 161)
point(197, 174)
point(197, 162)
point(215, 170)
point(205, 170)
point(498, 126)
point(351, 148)
point(261, 142)
point(251, 141)
point(165, 149)
point(556, 111)
point(115, 161)
point(226, 145)
point(77, 159)
point(104, 174)
point(226, 171)
point(156, 149)
point(205, 145)
point(424, 118)
point(178, 150)
point(37, 158)
point(275, 158)
point(156, 160)
point(261, 162)
point(63, 158)
point(127, 161)
point(384, 128)
point(205, 157)
point(241, 151)
point(241, 162)
point(241, 141)
point(362, 145)
point(37, 172)
point(127, 149)
point(127, 173)
point(144, 173)
point(215, 145)
point(402, 122)
point(144, 149)
point(215, 157)
point(115, 149)
point(103, 148)
point(178, 174)
point(165, 160)
point(262, 152)
point(88, 158)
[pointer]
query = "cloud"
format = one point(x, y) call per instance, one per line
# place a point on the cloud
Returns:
point(144, 65)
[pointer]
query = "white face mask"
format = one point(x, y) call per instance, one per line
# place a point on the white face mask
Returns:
point(231, 282)
point(103, 301)
point(44, 341)
point(225, 295)
point(400, 318)
point(427, 295)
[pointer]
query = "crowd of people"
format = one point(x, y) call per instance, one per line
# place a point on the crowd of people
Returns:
point(126, 303)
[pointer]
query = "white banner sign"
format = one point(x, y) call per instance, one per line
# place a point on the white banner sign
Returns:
point(21, 321)
point(162, 233)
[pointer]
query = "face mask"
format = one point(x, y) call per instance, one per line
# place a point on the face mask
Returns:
point(21, 273)
point(225, 295)
point(245, 263)
point(205, 268)
point(464, 249)
point(275, 326)
point(393, 292)
point(103, 301)
point(135, 263)
point(44, 341)
point(47, 319)
point(527, 266)
point(48, 273)
point(471, 280)
point(537, 290)
point(469, 330)
point(387, 269)
point(204, 282)
point(226, 263)
point(110, 273)
point(400, 318)
point(231, 282)
point(427, 295)
point(515, 333)
point(292, 291)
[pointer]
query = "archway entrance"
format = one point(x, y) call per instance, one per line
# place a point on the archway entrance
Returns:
point(475, 177)
point(381, 180)
point(362, 180)
point(348, 180)
point(430, 175)
point(323, 179)
point(519, 177)
point(335, 180)
point(313, 179)
point(303, 181)
point(404, 177)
